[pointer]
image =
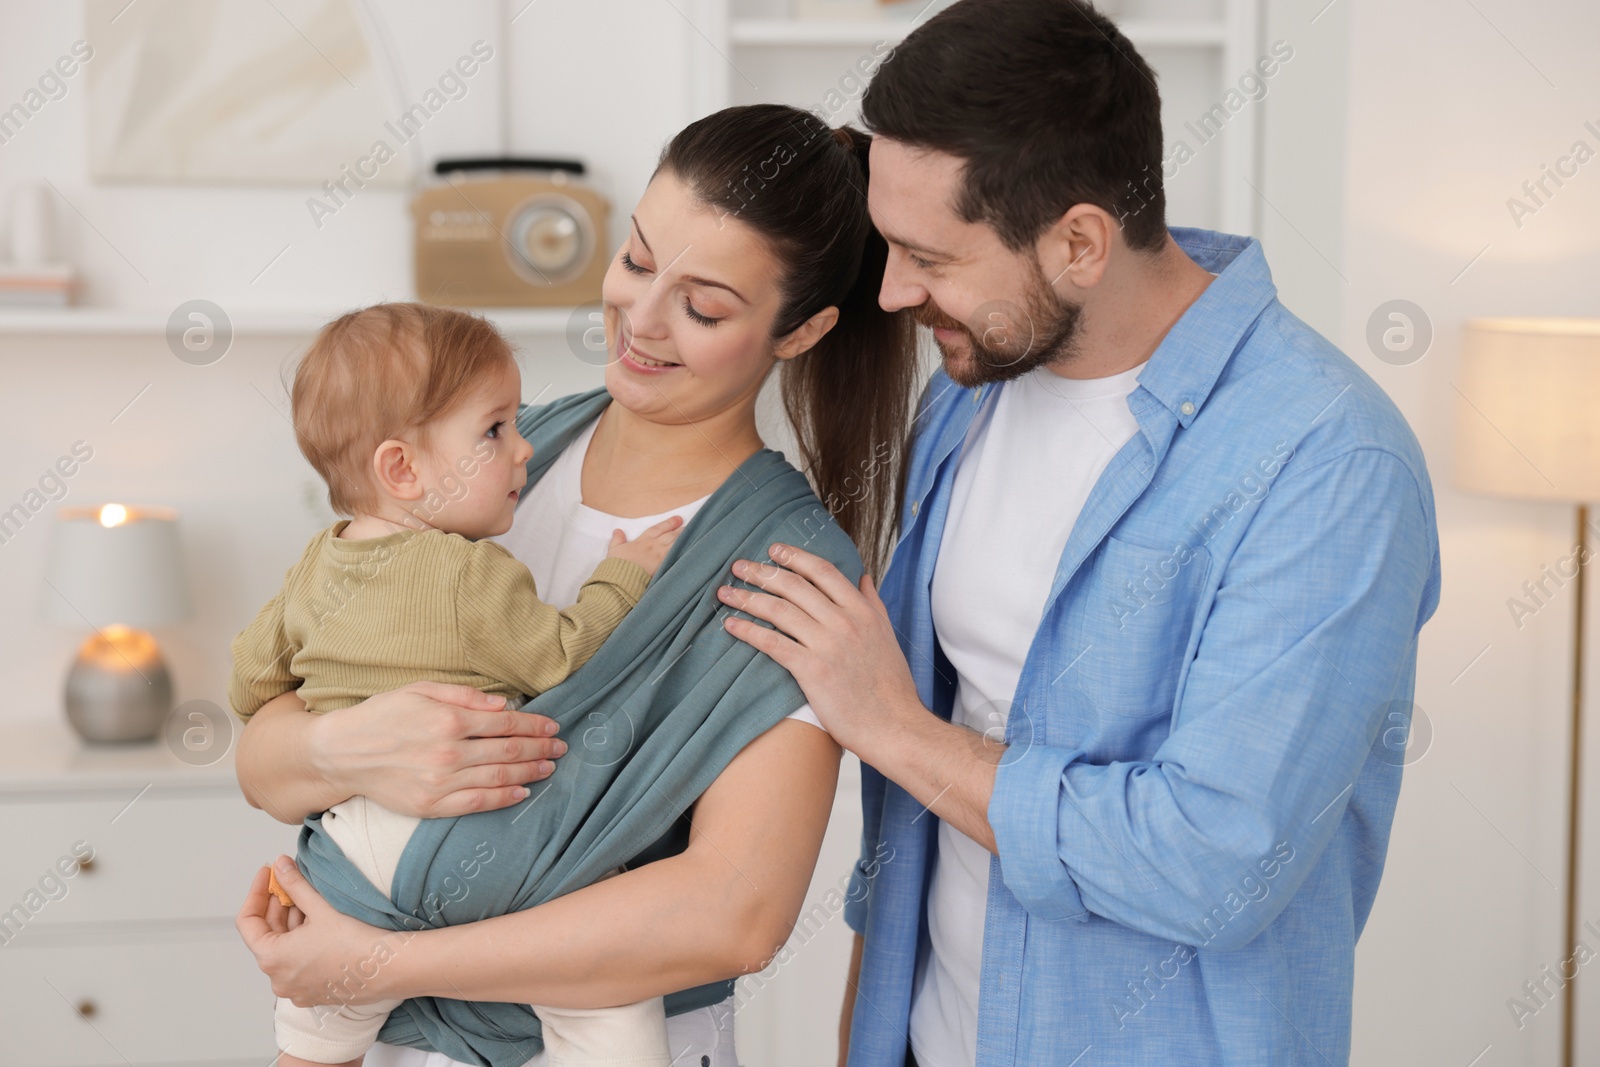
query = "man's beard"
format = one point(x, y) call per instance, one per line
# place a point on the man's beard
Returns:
point(1004, 341)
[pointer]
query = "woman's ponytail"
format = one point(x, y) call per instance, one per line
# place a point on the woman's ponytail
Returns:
point(803, 186)
point(849, 398)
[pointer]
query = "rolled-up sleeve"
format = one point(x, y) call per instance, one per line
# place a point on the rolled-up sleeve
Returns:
point(1309, 640)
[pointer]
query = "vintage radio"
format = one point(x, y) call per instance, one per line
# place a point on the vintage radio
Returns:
point(509, 232)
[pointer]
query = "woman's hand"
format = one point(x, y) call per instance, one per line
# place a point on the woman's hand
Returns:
point(434, 750)
point(313, 953)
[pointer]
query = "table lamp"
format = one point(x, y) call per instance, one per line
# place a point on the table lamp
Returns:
point(1530, 429)
point(116, 569)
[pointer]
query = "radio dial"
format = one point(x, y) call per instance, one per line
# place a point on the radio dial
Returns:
point(549, 239)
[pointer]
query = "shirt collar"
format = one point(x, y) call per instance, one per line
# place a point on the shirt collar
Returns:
point(1185, 366)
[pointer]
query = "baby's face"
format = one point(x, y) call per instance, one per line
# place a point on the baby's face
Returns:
point(478, 463)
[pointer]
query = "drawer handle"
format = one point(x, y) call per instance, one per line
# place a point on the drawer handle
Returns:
point(86, 866)
point(86, 1008)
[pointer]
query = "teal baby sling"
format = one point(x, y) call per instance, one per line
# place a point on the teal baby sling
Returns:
point(668, 701)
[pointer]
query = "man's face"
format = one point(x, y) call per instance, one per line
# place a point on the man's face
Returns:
point(993, 313)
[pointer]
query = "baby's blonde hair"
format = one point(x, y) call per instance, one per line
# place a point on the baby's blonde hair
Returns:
point(389, 370)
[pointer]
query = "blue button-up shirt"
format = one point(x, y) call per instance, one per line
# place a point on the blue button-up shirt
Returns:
point(1206, 741)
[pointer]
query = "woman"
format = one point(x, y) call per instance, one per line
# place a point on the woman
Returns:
point(750, 249)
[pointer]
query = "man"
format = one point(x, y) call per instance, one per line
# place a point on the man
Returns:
point(1165, 556)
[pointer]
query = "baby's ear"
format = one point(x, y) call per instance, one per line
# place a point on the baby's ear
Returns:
point(394, 467)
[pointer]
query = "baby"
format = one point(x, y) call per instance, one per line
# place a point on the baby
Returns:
point(408, 413)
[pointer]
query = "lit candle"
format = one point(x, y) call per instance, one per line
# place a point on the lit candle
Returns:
point(121, 649)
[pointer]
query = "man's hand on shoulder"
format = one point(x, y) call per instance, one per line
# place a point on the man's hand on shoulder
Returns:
point(833, 636)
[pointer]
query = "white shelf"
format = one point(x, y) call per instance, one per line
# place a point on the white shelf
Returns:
point(110, 321)
point(41, 755)
point(867, 32)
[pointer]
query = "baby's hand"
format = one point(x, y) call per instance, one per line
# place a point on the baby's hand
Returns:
point(650, 547)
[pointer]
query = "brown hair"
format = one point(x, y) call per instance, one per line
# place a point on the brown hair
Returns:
point(1046, 103)
point(389, 370)
point(802, 186)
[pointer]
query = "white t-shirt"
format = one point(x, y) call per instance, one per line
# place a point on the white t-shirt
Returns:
point(561, 541)
point(1028, 464)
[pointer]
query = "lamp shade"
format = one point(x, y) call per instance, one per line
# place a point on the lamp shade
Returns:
point(115, 564)
point(1528, 417)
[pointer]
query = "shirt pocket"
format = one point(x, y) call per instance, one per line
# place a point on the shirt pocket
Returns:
point(1138, 615)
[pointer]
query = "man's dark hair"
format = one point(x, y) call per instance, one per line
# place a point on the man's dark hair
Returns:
point(1045, 102)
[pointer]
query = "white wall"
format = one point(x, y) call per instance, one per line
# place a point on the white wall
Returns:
point(1390, 144)
point(1451, 107)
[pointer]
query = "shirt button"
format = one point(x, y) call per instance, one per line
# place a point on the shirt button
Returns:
point(1187, 408)
point(913, 508)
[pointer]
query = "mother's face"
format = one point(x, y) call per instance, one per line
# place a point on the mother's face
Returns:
point(690, 300)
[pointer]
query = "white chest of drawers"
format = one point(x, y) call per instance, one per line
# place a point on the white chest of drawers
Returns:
point(130, 958)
